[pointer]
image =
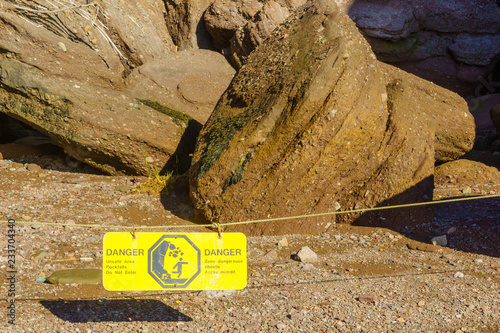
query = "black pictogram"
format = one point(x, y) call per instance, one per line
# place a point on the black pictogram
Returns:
point(174, 261)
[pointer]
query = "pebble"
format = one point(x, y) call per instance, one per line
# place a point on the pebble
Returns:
point(40, 279)
point(40, 255)
point(122, 188)
point(33, 167)
point(271, 255)
point(467, 190)
point(62, 46)
point(439, 240)
point(368, 298)
point(306, 255)
point(86, 259)
point(459, 275)
point(283, 242)
point(478, 261)
point(308, 267)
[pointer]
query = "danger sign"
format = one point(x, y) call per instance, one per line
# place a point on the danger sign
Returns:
point(159, 261)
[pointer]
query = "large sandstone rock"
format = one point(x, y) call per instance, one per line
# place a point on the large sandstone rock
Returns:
point(189, 81)
point(109, 100)
point(314, 123)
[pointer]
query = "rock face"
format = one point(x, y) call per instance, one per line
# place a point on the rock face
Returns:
point(186, 25)
point(444, 41)
point(449, 42)
point(239, 27)
point(314, 123)
point(110, 93)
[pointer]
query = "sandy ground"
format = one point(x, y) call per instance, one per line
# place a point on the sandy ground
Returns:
point(365, 279)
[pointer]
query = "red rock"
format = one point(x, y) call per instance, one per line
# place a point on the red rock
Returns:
point(274, 146)
point(368, 298)
point(33, 167)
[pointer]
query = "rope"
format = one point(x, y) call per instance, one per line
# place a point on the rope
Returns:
point(217, 225)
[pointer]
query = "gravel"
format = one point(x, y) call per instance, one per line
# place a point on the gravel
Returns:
point(364, 279)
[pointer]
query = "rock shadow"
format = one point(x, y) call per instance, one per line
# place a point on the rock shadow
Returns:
point(23, 144)
point(469, 226)
point(91, 311)
point(180, 161)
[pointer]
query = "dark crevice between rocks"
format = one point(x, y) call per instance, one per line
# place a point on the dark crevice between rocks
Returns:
point(23, 144)
point(180, 161)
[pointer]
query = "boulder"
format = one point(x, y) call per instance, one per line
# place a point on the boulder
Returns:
point(482, 108)
point(411, 34)
point(248, 38)
point(394, 19)
point(224, 17)
point(109, 99)
point(475, 50)
point(313, 123)
point(189, 81)
point(238, 27)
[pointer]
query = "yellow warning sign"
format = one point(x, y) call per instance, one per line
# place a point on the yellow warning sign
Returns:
point(161, 261)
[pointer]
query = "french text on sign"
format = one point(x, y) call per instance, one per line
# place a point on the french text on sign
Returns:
point(162, 261)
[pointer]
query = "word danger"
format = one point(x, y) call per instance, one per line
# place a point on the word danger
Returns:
point(124, 252)
point(222, 252)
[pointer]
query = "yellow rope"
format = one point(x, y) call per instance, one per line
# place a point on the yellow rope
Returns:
point(215, 225)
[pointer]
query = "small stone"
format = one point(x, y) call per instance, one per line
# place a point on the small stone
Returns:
point(271, 255)
point(252, 327)
point(33, 167)
point(459, 275)
point(308, 267)
point(62, 46)
point(467, 190)
point(149, 159)
point(122, 188)
point(478, 261)
point(439, 240)
point(306, 255)
point(40, 255)
point(283, 242)
point(368, 299)
point(400, 320)
point(40, 279)
point(421, 303)
point(86, 259)
point(451, 230)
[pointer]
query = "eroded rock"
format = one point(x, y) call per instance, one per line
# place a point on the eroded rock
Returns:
point(110, 98)
point(314, 121)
